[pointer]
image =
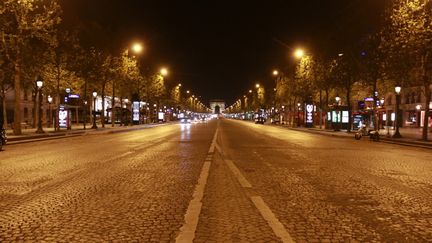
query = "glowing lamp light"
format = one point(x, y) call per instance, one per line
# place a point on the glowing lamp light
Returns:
point(257, 85)
point(39, 83)
point(275, 72)
point(94, 94)
point(299, 53)
point(398, 89)
point(164, 71)
point(137, 48)
point(50, 99)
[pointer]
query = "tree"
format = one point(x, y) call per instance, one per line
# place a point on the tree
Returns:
point(58, 71)
point(371, 69)
point(344, 72)
point(408, 47)
point(22, 21)
point(6, 70)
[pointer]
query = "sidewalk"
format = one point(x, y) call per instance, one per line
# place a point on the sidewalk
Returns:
point(30, 135)
point(410, 136)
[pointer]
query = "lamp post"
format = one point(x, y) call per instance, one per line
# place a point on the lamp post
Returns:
point(39, 84)
point(94, 110)
point(336, 128)
point(397, 90)
point(50, 99)
point(298, 114)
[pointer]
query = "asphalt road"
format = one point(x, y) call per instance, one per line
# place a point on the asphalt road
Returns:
point(219, 181)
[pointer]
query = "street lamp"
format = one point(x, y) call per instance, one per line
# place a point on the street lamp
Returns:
point(398, 89)
point(137, 48)
point(336, 128)
point(299, 53)
point(39, 84)
point(257, 86)
point(275, 72)
point(50, 99)
point(164, 71)
point(298, 114)
point(94, 110)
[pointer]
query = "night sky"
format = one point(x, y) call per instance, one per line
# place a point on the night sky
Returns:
point(219, 49)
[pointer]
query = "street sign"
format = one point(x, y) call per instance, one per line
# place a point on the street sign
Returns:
point(135, 111)
point(309, 115)
point(63, 117)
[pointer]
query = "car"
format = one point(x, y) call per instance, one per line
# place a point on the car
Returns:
point(185, 120)
point(260, 120)
point(275, 120)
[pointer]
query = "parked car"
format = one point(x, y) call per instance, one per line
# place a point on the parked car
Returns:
point(275, 120)
point(260, 120)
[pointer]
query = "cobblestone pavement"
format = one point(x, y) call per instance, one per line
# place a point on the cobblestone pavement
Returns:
point(261, 184)
point(125, 187)
point(331, 189)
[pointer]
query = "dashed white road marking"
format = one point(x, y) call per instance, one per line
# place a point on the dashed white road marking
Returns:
point(262, 207)
point(271, 219)
point(187, 231)
point(213, 144)
point(242, 180)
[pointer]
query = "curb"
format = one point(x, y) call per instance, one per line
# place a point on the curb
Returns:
point(70, 134)
point(382, 139)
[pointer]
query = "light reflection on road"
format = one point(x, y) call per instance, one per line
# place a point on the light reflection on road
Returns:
point(185, 132)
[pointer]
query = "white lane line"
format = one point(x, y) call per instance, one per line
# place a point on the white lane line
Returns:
point(127, 153)
point(273, 222)
point(262, 207)
point(243, 181)
point(187, 231)
point(213, 144)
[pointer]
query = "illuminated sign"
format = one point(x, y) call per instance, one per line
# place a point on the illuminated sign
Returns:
point(161, 116)
point(63, 117)
point(74, 96)
point(345, 116)
point(369, 99)
point(335, 116)
point(135, 111)
point(309, 114)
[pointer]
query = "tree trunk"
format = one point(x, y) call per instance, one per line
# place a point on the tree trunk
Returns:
point(56, 126)
point(327, 98)
point(427, 110)
point(35, 108)
point(427, 92)
point(348, 96)
point(85, 105)
point(121, 111)
point(321, 109)
point(374, 110)
point(113, 106)
point(103, 105)
point(3, 104)
point(17, 103)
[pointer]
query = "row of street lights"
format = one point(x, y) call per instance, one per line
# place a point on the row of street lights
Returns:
point(299, 54)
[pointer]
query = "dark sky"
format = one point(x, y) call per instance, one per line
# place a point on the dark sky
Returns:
point(218, 48)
